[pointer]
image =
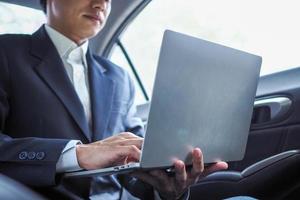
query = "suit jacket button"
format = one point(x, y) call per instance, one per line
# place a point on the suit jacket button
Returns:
point(40, 155)
point(23, 155)
point(31, 155)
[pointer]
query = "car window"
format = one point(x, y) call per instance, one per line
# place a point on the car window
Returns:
point(19, 19)
point(267, 28)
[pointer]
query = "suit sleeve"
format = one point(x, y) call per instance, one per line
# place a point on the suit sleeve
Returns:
point(133, 123)
point(28, 160)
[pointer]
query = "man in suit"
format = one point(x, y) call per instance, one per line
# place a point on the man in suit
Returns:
point(64, 109)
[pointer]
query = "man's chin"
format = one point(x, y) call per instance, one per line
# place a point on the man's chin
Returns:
point(90, 32)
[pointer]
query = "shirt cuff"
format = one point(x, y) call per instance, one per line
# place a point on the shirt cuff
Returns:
point(67, 161)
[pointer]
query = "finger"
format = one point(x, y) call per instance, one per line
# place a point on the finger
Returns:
point(130, 160)
point(104, 141)
point(180, 174)
point(128, 135)
point(121, 136)
point(138, 142)
point(215, 167)
point(131, 152)
point(198, 164)
point(126, 154)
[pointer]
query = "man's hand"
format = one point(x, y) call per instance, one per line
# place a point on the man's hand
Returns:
point(115, 150)
point(174, 187)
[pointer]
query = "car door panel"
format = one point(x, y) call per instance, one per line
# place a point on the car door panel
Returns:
point(271, 136)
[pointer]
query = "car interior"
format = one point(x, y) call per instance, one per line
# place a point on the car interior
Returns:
point(270, 168)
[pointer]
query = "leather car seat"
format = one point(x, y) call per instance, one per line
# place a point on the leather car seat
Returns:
point(277, 177)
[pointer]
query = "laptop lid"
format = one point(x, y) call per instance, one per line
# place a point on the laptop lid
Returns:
point(203, 97)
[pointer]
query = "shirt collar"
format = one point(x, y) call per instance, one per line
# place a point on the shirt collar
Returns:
point(63, 44)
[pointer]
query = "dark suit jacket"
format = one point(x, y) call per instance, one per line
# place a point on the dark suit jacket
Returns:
point(40, 110)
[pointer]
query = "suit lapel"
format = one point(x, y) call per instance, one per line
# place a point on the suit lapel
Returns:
point(52, 71)
point(102, 91)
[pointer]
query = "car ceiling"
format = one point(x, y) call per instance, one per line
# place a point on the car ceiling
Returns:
point(29, 3)
point(123, 11)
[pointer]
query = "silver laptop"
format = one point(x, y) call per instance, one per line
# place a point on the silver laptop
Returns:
point(203, 97)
